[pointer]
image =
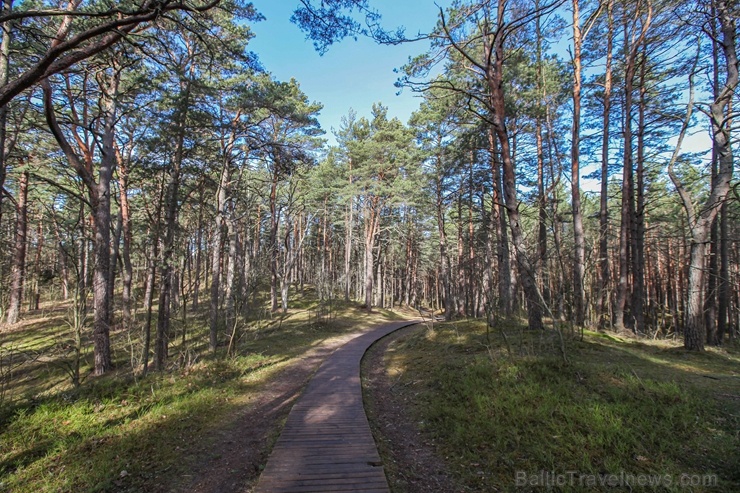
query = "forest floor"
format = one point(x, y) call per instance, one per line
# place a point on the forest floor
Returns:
point(459, 408)
point(206, 424)
point(453, 407)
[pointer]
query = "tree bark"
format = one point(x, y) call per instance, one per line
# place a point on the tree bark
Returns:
point(19, 251)
point(495, 80)
point(602, 300)
point(161, 342)
point(6, 27)
point(628, 210)
point(579, 253)
point(372, 224)
point(101, 272)
point(700, 221)
point(216, 253)
point(99, 194)
point(638, 220)
point(498, 222)
point(349, 225)
point(274, 247)
point(443, 257)
point(128, 270)
point(36, 297)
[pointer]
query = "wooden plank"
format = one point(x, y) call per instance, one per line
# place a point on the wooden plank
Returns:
point(326, 445)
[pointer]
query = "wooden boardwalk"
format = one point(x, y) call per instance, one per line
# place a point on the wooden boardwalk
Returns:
point(326, 445)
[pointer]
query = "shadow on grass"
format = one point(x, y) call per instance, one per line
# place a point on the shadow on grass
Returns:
point(120, 433)
point(615, 407)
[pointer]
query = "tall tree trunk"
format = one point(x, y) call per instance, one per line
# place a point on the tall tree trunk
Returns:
point(602, 301)
point(723, 290)
point(36, 296)
point(128, 270)
point(216, 253)
point(198, 249)
point(495, 78)
point(19, 251)
point(700, 221)
point(99, 194)
point(229, 291)
point(579, 252)
point(443, 257)
point(498, 222)
point(627, 211)
point(372, 224)
point(638, 220)
point(161, 342)
point(7, 6)
point(348, 241)
point(151, 278)
point(101, 275)
point(274, 246)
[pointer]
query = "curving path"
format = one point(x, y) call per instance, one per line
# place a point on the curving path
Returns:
point(326, 445)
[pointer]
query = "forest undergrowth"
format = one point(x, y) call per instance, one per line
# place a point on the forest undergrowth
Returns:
point(505, 412)
point(122, 432)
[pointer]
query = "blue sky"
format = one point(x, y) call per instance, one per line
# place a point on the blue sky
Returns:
point(356, 74)
point(352, 74)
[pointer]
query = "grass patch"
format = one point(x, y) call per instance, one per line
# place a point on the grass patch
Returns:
point(498, 407)
point(127, 434)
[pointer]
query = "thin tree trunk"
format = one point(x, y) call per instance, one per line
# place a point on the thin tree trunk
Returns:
point(638, 220)
point(128, 270)
point(274, 247)
point(579, 253)
point(149, 299)
point(7, 6)
point(372, 223)
point(198, 249)
point(36, 298)
point(348, 241)
point(443, 257)
point(602, 306)
point(625, 266)
point(723, 290)
point(19, 251)
point(217, 252)
point(498, 222)
point(161, 343)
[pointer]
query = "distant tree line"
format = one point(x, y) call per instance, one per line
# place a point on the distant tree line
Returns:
point(150, 169)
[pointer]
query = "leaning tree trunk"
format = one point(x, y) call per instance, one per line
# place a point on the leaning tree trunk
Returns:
point(495, 79)
point(700, 222)
point(99, 194)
